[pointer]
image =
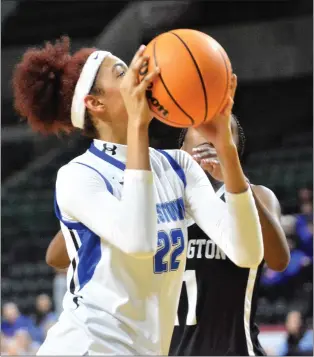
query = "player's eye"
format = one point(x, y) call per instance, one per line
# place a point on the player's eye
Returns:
point(122, 74)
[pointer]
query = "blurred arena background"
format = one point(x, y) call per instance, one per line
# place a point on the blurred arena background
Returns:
point(270, 44)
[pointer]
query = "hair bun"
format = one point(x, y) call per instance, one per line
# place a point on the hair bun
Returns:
point(37, 85)
point(44, 84)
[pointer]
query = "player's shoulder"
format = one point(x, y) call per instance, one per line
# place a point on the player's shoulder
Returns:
point(177, 153)
point(77, 169)
point(182, 158)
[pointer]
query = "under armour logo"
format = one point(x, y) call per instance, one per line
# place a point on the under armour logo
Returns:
point(75, 300)
point(110, 149)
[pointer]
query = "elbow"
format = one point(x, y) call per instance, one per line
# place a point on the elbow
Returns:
point(250, 259)
point(251, 254)
point(55, 261)
point(280, 264)
point(141, 251)
point(141, 254)
point(249, 262)
point(50, 260)
point(142, 243)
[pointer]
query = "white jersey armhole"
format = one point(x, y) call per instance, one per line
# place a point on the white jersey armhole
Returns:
point(220, 192)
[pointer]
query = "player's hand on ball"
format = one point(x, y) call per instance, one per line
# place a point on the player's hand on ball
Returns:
point(134, 92)
point(218, 130)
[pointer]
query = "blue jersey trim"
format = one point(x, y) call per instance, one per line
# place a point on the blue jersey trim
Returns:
point(102, 155)
point(89, 255)
point(108, 184)
point(70, 225)
point(176, 167)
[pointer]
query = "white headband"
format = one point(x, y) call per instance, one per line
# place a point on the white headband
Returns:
point(84, 85)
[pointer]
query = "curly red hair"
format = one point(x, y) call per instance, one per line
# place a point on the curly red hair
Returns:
point(44, 83)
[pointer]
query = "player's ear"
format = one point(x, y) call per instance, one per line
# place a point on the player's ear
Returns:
point(95, 104)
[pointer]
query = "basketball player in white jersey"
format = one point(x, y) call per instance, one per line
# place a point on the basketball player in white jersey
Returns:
point(123, 208)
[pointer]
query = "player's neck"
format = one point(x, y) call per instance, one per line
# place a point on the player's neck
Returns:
point(113, 132)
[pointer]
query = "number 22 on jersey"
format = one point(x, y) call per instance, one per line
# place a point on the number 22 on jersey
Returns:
point(170, 247)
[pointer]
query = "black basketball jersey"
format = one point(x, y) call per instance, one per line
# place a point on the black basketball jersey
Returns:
point(217, 303)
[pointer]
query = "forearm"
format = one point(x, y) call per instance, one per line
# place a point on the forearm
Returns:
point(138, 204)
point(243, 215)
point(245, 234)
point(234, 179)
point(138, 215)
point(138, 147)
point(234, 226)
point(128, 223)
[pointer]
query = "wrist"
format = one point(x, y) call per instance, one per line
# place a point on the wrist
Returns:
point(228, 156)
point(138, 125)
point(224, 139)
point(226, 147)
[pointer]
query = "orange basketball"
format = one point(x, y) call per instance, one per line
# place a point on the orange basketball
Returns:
point(194, 81)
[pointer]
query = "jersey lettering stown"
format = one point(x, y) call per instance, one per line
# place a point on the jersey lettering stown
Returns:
point(115, 296)
point(217, 303)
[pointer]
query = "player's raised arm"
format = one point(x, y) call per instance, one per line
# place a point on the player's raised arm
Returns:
point(235, 228)
point(139, 114)
point(276, 250)
point(130, 222)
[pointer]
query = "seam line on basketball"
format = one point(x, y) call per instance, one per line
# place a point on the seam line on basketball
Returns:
point(165, 120)
point(199, 73)
point(167, 90)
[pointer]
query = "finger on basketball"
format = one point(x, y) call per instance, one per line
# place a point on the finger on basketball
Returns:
point(137, 55)
point(233, 87)
point(141, 62)
point(135, 68)
point(148, 79)
point(228, 108)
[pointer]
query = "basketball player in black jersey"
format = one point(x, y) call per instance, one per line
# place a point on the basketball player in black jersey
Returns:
point(218, 299)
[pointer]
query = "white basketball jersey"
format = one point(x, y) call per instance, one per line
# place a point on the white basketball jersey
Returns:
point(123, 302)
point(131, 302)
